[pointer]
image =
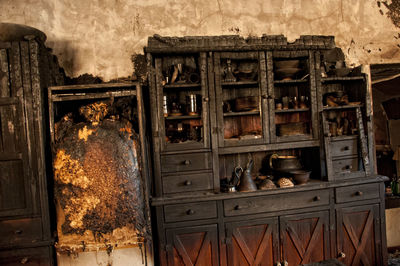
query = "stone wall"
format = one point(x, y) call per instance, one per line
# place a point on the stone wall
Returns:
point(99, 37)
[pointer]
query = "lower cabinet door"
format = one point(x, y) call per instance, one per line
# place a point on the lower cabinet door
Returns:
point(252, 242)
point(194, 245)
point(358, 235)
point(304, 238)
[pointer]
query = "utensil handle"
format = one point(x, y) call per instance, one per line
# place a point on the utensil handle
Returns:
point(273, 156)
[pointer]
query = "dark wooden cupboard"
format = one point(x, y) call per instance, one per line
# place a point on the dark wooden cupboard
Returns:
point(26, 70)
point(260, 97)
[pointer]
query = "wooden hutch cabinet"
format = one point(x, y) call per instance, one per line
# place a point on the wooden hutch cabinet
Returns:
point(226, 108)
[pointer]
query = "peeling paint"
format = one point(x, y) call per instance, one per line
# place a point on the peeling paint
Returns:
point(99, 37)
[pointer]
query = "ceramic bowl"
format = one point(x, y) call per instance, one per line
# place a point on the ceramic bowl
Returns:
point(300, 176)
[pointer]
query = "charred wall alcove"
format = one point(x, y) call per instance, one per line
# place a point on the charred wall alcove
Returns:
point(99, 175)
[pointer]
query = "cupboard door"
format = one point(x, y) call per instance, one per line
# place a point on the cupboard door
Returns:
point(304, 237)
point(292, 91)
point(241, 98)
point(195, 245)
point(358, 235)
point(182, 102)
point(253, 242)
point(15, 196)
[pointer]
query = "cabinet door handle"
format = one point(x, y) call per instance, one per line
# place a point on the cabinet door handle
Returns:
point(188, 183)
point(317, 198)
point(190, 212)
point(187, 162)
point(18, 232)
point(341, 255)
point(206, 99)
point(359, 193)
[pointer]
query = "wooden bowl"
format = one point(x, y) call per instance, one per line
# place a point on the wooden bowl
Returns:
point(300, 176)
point(246, 103)
point(292, 129)
point(287, 73)
point(279, 64)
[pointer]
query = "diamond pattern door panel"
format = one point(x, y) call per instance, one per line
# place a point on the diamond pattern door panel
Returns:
point(304, 237)
point(252, 242)
point(357, 235)
point(192, 246)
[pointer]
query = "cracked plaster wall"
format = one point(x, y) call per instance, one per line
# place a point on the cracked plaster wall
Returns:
point(100, 36)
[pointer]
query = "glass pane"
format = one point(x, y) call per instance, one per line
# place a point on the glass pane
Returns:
point(241, 99)
point(292, 97)
point(182, 100)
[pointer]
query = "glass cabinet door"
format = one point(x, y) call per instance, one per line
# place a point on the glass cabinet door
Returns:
point(241, 98)
point(292, 105)
point(182, 94)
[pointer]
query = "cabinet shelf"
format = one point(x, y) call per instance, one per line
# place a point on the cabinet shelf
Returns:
point(345, 137)
point(242, 113)
point(183, 86)
point(292, 110)
point(182, 117)
point(340, 79)
point(290, 81)
point(239, 83)
point(343, 107)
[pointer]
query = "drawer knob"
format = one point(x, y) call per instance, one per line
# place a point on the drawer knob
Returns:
point(206, 99)
point(188, 183)
point(24, 260)
point(237, 207)
point(348, 167)
point(342, 255)
point(187, 162)
point(346, 148)
point(18, 232)
point(190, 212)
point(317, 198)
point(359, 193)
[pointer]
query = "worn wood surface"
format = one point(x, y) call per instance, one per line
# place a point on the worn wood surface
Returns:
point(358, 235)
point(24, 75)
point(254, 242)
point(197, 245)
point(305, 237)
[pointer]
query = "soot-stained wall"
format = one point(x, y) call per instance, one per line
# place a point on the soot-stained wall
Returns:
point(99, 37)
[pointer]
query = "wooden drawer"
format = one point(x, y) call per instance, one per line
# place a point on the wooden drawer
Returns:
point(27, 257)
point(278, 202)
point(359, 192)
point(190, 211)
point(344, 147)
point(185, 162)
point(187, 182)
point(20, 231)
point(345, 165)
